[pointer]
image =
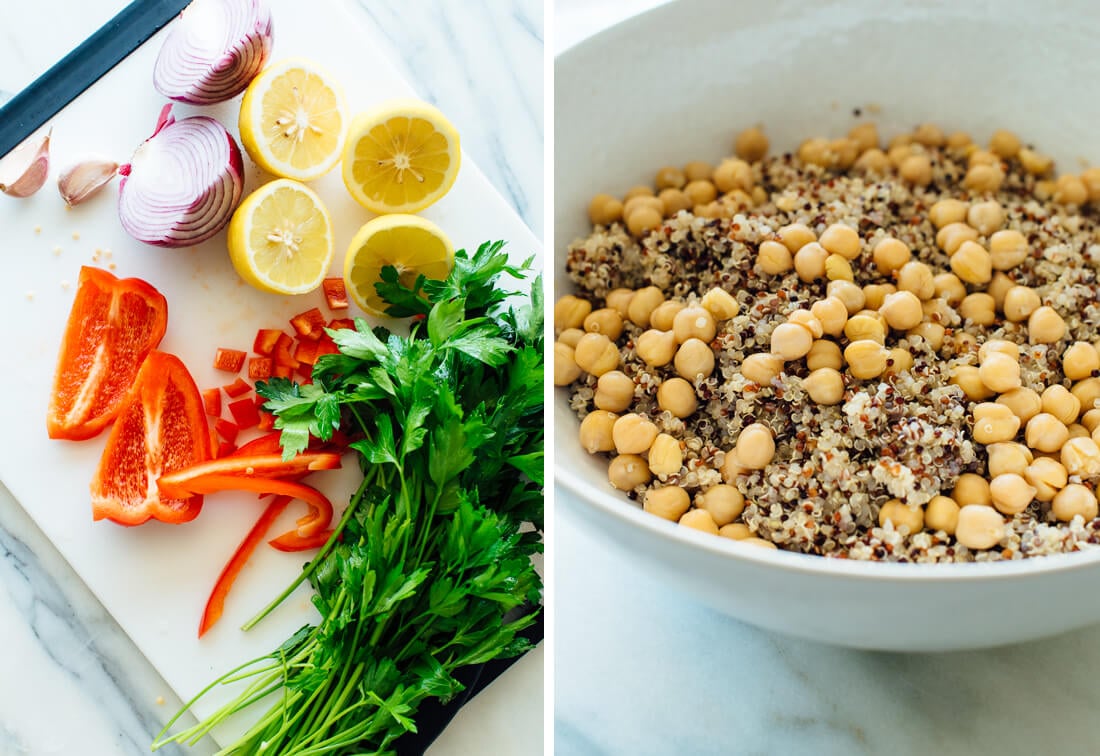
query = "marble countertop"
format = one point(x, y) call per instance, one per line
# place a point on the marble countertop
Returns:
point(642, 670)
point(70, 680)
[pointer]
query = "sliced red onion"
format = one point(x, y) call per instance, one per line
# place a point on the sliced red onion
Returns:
point(183, 184)
point(214, 50)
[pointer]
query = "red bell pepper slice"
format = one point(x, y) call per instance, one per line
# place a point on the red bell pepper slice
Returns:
point(244, 413)
point(114, 323)
point(267, 421)
point(309, 324)
point(265, 340)
point(262, 466)
point(227, 430)
point(341, 324)
point(161, 428)
point(259, 368)
point(215, 604)
point(229, 360)
point(291, 542)
point(281, 354)
point(212, 401)
point(225, 448)
point(336, 293)
point(237, 388)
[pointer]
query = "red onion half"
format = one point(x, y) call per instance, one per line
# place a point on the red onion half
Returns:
point(182, 184)
point(214, 50)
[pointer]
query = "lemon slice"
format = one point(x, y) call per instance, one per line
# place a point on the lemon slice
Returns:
point(280, 238)
point(400, 157)
point(292, 120)
point(409, 243)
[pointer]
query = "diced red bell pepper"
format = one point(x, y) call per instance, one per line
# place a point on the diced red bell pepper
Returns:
point(306, 352)
point(282, 371)
point(265, 340)
point(336, 294)
point(259, 368)
point(212, 401)
point(227, 430)
point(229, 360)
point(114, 323)
point(341, 324)
point(293, 542)
point(265, 444)
point(309, 324)
point(281, 354)
point(162, 428)
point(239, 387)
point(267, 421)
point(325, 345)
point(215, 604)
point(225, 448)
point(244, 413)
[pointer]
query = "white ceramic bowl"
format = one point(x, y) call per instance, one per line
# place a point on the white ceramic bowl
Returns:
point(676, 84)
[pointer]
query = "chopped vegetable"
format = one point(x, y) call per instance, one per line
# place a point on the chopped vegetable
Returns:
point(114, 323)
point(244, 413)
point(214, 50)
point(266, 339)
point(309, 324)
point(24, 170)
point(292, 542)
point(229, 360)
point(212, 401)
point(225, 448)
point(249, 465)
point(161, 428)
point(336, 294)
point(341, 324)
point(260, 368)
point(281, 353)
point(182, 185)
point(226, 429)
point(237, 388)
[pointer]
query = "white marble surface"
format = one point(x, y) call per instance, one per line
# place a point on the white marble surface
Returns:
point(71, 682)
point(641, 670)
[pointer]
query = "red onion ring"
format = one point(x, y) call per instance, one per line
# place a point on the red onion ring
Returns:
point(214, 50)
point(182, 184)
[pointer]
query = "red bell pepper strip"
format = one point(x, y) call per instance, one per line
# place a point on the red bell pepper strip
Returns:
point(215, 604)
point(263, 466)
point(237, 388)
point(162, 428)
point(114, 323)
point(291, 542)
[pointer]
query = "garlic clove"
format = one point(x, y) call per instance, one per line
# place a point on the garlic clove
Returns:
point(24, 170)
point(84, 179)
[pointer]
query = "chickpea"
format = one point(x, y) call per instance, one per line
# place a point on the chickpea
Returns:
point(759, 543)
point(984, 178)
point(596, 431)
point(972, 263)
point(694, 358)
point(824, 354)
point(732, 467)
point(917, 277)
point(838, 269)
point(959, 141)
point(634, 204)
point(898, 152)
point(751, 144)
point(998, 287)
point(865, 135)
point(825, 386)
point(565, 365)
point(791, 341)
point(847, 292)
point(795, 236)
point(986, 217)
point(999, 346)
point(669, 177)
point(605, 321)
point(1047, 476)
point(735, 531)
point(936, 311)
point(673, 201)
point(1087, 392)
point(725, 503)
point(570, 312)
point(873, 160)
point(968, 379)
point(971, 488)
point(1081, 457)
point(755, 447)
point(1024, 403)
point(947, 211)
point(949, 287)
point(1091, 179)
point(902, 310)
point(1080, 360)
point(979, 308)
point(641, 190)
point(1010, 493)
point(596, 354)
point(942, 513)
point(875, 294)
point(642, 305)
point(992, 423)
point(1008, 457)
point(904, 517)
point(979, 527)
point(604, 210)
point(889, 254)
point(963, 343)
point(656, 348)
point(762, 368)
point(929, 134)
point(698, 170)
point(694, 322)
point(677, 397)
point(866, 359)
point(898, 360)
point(669, 502)
point(809, 262)
point(664, 315)
point(614, 391)
point(951, 237)
point(1007, 249)
point(845, 151)
point(628, 471)
point(917, 170)
point(1070, 190)
point(1005, 144)
point(619, 300)
point(699, 519)
point(1058, 401)
point(1000, 373)
point(806, 319)
point(774, 259)
point(982, 157)
point(839, 239)
point(633, 434)
point(1073, 500)
point(643, 220)
point(1076, 430)
point(665, 455)
point(1020, 302)
point(701, 192)
point(1034, 163)
point(720, 304)
point(1091, 420)
point(1046, 433)
point(1045, 326)
point(864, 327)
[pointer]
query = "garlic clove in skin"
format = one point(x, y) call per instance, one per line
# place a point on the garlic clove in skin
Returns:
point(24, 170)
point(83, 180)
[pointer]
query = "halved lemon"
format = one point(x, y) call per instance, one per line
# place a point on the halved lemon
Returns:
point(292, 120)
point(280, 238)
point(400, 157)
point(409, 243)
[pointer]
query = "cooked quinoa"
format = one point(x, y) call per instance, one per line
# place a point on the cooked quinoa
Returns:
point(905, 436)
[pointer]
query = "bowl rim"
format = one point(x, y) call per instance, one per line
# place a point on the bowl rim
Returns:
point(618, 507)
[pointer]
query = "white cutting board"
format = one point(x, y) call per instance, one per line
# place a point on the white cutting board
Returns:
point(154, 579)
